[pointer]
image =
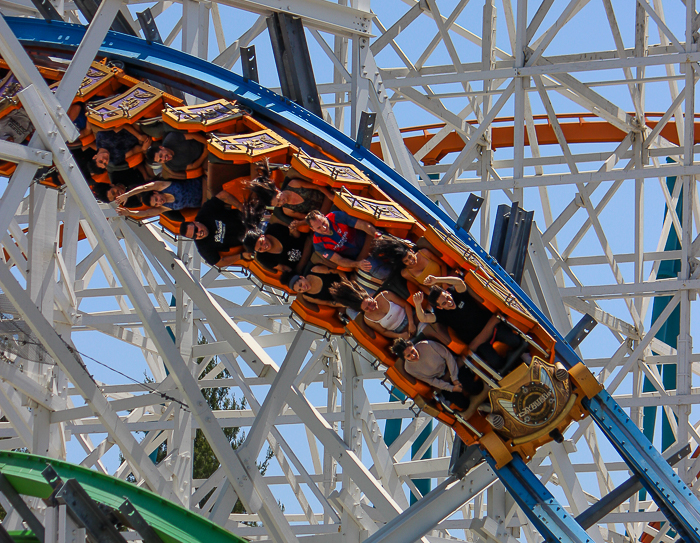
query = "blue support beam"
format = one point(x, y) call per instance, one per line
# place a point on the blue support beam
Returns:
point(674, 499)
point(547, 515)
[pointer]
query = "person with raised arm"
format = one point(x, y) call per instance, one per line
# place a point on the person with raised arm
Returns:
point(415, 265)
point(461, 309)
point(163, 196)
point(385, 313)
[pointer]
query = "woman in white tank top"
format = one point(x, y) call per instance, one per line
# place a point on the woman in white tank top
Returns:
point(386, 313)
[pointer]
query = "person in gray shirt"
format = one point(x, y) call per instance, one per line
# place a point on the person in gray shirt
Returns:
point(433, 363)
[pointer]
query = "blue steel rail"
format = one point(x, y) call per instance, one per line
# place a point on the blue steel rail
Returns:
point(201, 78)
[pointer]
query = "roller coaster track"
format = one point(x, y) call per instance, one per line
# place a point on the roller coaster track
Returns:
point(197, 77)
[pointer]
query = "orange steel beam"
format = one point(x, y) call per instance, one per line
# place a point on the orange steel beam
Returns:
point(579, 130)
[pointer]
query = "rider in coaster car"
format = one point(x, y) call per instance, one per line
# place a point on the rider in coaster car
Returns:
point(218, 228)
point(296, 199)
point(340, 238)
point(179, 152)
point(434, 364)
point(314, 286)
point(162, 196)
point(415, 265)
point(115, 146)
point(461, 309)
point(385, 313)
point(279, 248)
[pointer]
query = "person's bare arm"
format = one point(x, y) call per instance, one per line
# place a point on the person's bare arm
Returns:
point(459, 285)
point(293, 214)
point(366, 227)
point(364, 265)
point(300, 183)
point(169, 174)
point(230, 199)
point(428, 318)
point(313, 300)
point(142, 213)
point(134, 151)
point(198, 163)
point(153, 185)
point(196, 136)
point(485, 334)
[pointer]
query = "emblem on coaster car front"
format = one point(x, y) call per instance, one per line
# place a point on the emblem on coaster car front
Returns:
point(530, 399)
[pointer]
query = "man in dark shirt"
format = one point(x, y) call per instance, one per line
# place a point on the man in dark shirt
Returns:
point(115, 146)
point(278, 248)
point(461, 309)
point(216, 229)
point(179, 152)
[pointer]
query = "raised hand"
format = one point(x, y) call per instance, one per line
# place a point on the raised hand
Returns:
point(430, 281)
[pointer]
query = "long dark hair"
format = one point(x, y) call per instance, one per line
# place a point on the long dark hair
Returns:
point(391, 251)
point(262, 187)
point(251, 238)
point(348, 294)
point(399, 346)
point(99, 190)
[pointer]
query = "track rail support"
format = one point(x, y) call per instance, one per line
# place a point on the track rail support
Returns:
point(469, 212)
point(294, 61)
point(547, 515)
point(249, 63)
point(22, 509)
point(81, 505)
point(138, 523)
point(609, 502)
point(580, 332)
point(365, 129)
point(148, 25)
point(674, 499)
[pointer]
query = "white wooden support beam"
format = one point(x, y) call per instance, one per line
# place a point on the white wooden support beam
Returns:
point(327, 16)
point(14, 152)
point(254, 357)
point(26, 73)
point(87, 50)
point(436, 506)
point(66, 357)
point(277, 395)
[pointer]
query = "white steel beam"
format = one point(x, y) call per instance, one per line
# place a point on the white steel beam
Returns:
point(328, 16)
